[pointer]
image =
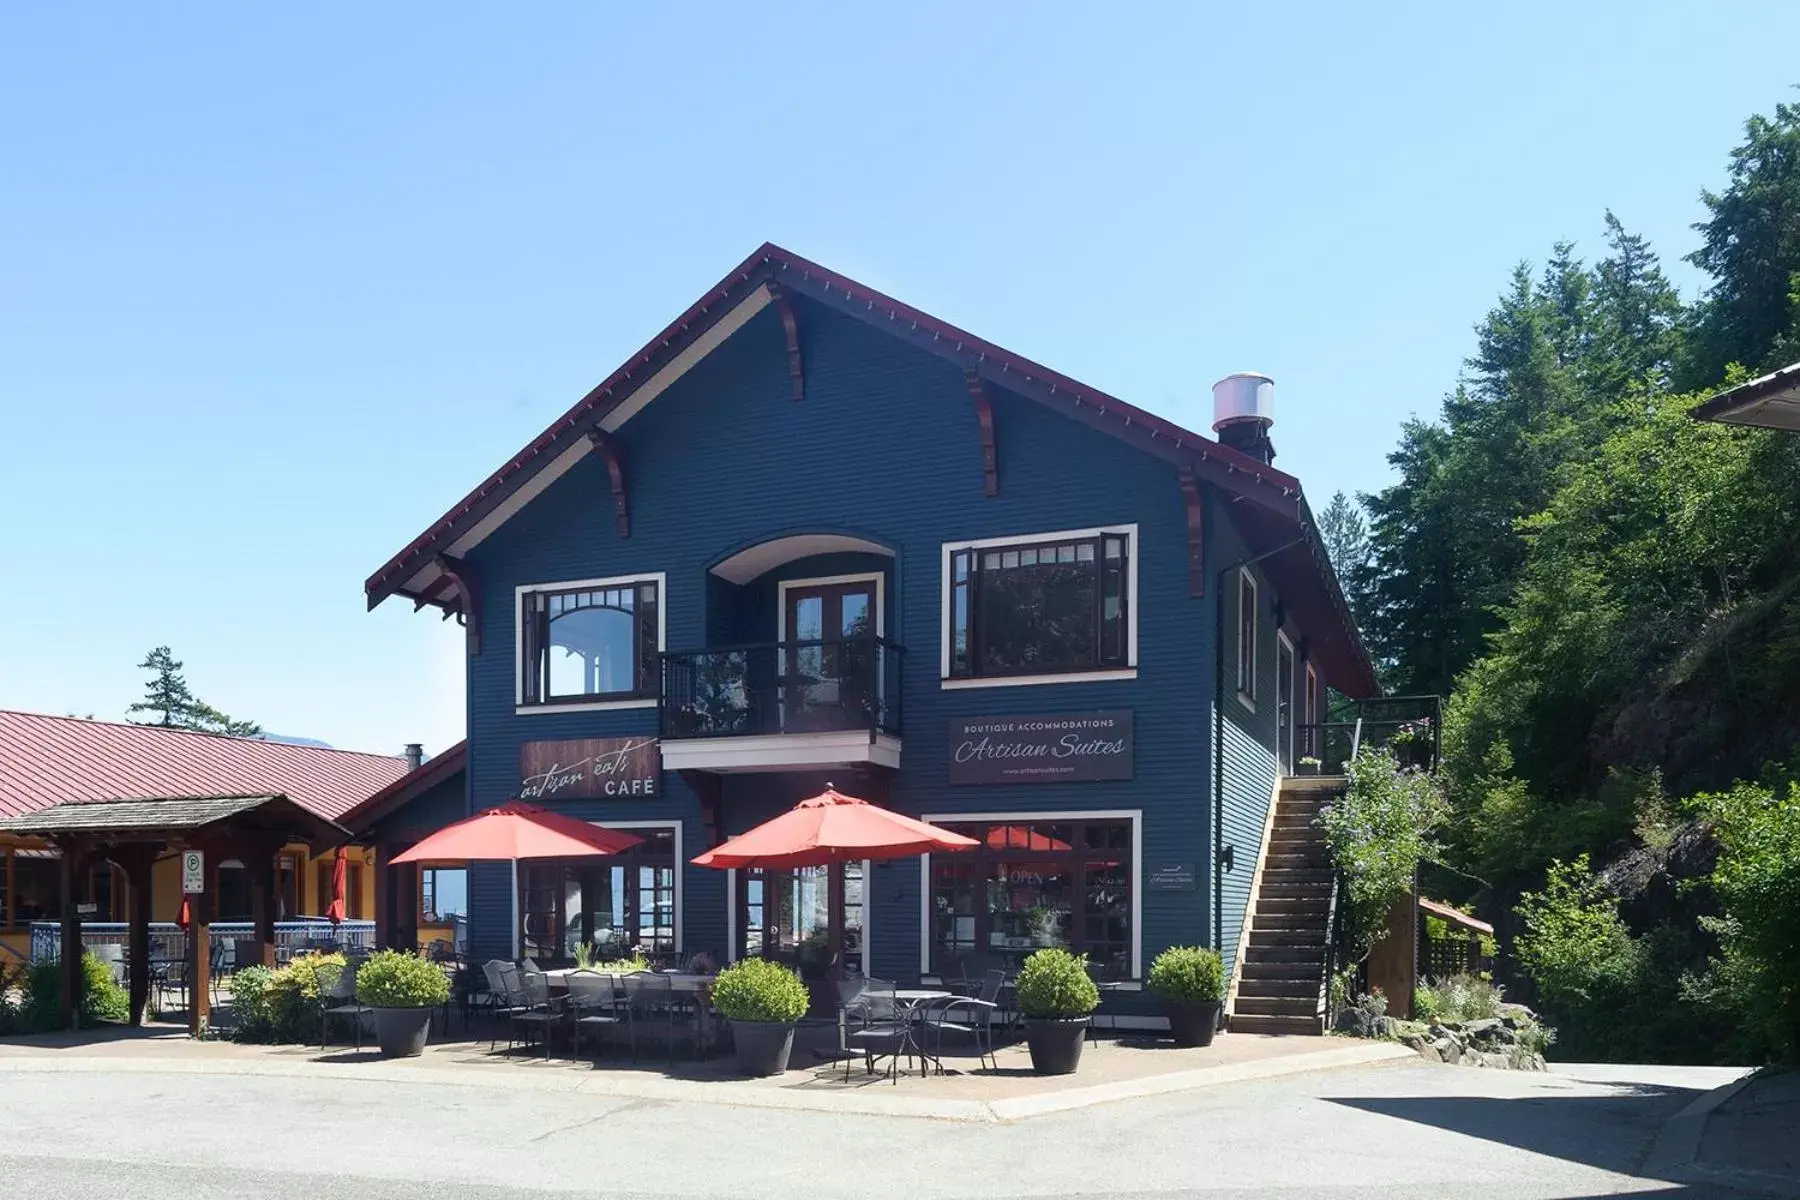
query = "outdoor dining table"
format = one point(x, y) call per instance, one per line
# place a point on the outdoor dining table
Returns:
point(907, 1002)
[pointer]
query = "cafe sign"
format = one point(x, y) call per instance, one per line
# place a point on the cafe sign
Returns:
point(587, 768)
point(1066, 748)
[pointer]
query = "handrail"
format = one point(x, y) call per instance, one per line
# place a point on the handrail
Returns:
point(789, 644)
point(1356, 739)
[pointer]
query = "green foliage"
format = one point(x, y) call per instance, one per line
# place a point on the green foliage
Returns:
point(397, 979)
point(1054, 985)
point(39, 1007)
point(1378, 832)
point(1426, 1005)
point(281, 1006)
point(589, 956)
point(1189, 974)
point(1758, 880)
point(756, 989)
point(1574, 945)
point(1458, 998)
point(169, 701)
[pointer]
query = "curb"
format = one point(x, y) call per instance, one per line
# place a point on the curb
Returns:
point(733, 1093)
point(1672, 1155)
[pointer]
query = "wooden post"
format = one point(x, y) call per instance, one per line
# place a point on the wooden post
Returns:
point(199, 964)
point(406, 905)
point(384, 896)
point(262, 901)
point(139, 864)
point(71, 935)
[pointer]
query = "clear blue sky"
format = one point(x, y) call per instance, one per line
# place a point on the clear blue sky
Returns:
point(278, 284)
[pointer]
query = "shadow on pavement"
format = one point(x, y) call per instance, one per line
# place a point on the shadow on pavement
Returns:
point(1611, 1132)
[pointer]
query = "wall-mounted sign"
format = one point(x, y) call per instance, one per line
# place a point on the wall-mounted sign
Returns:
point(1070, 747)
point(193, 872)
point(589, 767)
point(1171, 877)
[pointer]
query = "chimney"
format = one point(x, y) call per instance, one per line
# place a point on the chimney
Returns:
point(1243, 410)
point(415, 756)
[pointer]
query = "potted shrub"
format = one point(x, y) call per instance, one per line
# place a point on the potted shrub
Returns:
point(402, 989)
point(1056, 996)
point(1191, 982)
point(763, 1000)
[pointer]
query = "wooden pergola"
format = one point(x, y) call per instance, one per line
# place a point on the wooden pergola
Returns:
point(133, 834)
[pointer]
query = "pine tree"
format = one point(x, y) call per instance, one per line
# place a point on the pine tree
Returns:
point(173, 704)
point(1346, 537)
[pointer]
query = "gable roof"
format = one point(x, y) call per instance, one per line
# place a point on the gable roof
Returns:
point(404, 790)
point(1771, 402)
point(155, 817)
point(46, 760)
point(422, 569)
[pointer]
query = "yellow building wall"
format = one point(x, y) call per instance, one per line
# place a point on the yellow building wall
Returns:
point(18, 943)
point(165, 891)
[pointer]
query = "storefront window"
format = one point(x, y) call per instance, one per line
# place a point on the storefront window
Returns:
point(443, 894)
point(621, 903)
point(1031, 885)
point(37, 887)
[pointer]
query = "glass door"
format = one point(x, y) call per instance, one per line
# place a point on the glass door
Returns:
point(786, 916)
point(828, 669)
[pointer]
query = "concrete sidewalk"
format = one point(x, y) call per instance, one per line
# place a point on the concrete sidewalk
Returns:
point(1744, 1135)
point(1110, 1071)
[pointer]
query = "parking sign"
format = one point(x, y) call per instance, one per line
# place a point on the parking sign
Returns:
point(193, 872)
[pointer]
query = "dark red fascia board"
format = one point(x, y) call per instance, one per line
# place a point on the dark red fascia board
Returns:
point(405, 789)
point(1230, 468)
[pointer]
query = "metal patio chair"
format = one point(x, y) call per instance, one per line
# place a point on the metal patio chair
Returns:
point(965, 1016)
point(653, 1004)
point(594, 1005)
point(337, 998)
point(504, 997)
point(535, 1008)
point(879, 1023)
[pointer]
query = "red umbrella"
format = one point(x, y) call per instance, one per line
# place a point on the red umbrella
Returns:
point(340, 870)
point(832, 828)
point(1022, 837)
point(514, 831)
point(185, 917)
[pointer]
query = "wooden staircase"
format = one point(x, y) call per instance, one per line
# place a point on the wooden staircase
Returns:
point(1281, 985)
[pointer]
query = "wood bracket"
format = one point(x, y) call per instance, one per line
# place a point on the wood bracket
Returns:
point(1196, 533)
point(614, 454)
point(984, 413)
point(790, 324)
point(465, 581)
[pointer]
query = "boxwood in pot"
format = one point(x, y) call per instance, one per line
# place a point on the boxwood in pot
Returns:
point(1191, 982)
point(403, 989)
point(1056, 995)
point(763, 1000)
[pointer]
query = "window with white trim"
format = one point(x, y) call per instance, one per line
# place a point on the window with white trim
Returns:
point(1247, 629)
point(1047, 605)
point(590, 641)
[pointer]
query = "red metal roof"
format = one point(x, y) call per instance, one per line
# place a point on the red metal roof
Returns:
point(47, 760)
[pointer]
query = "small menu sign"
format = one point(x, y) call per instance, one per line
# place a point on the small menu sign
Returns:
point(614, 768)
point(1066, 748)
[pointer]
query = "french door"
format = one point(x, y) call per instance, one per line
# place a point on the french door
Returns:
point(1284, 704)
point(829, 668)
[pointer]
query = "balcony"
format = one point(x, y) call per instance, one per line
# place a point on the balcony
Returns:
point(780, 706)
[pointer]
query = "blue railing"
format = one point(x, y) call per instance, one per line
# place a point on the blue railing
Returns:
point(168, 941)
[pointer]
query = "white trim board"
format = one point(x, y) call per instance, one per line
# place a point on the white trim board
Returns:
point(1246, 698)
point(1244, 923)
point(781, 751)
point(874, 577)
point(1129, 531)
point(1283, 641)
point(1134, 815)
point(660, 578)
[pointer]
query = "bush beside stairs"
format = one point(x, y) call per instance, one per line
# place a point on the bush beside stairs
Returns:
point(1281, 988)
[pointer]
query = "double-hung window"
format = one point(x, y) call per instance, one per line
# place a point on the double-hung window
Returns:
point(1059, 604)
point(592, 641)
point(1247, 632)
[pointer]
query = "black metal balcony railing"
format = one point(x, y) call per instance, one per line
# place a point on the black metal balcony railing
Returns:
point(782, 687)
point(1410, 726)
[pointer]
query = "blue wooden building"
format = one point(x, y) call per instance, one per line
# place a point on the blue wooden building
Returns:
point(810, 534)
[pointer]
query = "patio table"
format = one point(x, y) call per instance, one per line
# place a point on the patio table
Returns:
point(906, 1005)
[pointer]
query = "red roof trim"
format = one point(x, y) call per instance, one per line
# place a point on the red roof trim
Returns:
point(770, 259)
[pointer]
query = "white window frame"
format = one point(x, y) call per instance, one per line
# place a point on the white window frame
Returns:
point(659, 578)
point(874, 577)
point(733, 881)
point(680, 871)
point(1295, 700)
point(1247, 698)
point(1310, 698)
point(1134, 815)
point(1129, 532)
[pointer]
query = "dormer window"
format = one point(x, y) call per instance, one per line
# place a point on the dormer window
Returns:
point(591, 641)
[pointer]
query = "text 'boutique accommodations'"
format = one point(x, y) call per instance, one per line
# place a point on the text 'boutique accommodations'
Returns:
point(808, 535)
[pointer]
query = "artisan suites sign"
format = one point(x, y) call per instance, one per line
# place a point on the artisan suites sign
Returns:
point(1071, 747)
point(588, 767)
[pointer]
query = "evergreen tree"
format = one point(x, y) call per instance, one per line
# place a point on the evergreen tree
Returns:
point(1346, 537)
point(171, 703)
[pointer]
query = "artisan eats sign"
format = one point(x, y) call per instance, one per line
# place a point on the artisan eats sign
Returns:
point(1067, 748)
point(606, 767)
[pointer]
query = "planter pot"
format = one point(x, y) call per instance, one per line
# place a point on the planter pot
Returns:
point(1193, 1022)
point(763, 1047)
point(401, 1032)
point(1055, 1044)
